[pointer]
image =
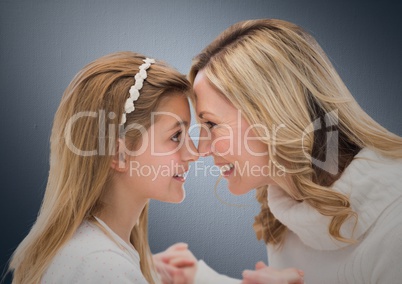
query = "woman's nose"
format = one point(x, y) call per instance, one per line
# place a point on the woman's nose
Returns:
point(204, 143)
point(191, 151)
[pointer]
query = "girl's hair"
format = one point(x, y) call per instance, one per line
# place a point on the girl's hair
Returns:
point(278, 76)
point(88, 120)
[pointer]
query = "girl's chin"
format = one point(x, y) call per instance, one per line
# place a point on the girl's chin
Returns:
point(174, 200)
point(179, 200)
point(177, 197)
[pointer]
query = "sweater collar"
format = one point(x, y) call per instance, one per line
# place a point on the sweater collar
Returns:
point(371, 181)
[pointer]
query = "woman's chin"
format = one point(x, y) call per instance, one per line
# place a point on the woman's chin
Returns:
point(238, 189)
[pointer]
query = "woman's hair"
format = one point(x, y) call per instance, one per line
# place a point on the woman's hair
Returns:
point(278, 76)
point(88, 120)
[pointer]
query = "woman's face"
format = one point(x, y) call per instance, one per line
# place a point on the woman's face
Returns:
point(225, 134)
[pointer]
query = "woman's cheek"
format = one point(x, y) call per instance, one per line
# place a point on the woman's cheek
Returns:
point(222, 146)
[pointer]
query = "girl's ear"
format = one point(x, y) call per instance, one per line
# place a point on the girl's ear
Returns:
point(119, 162)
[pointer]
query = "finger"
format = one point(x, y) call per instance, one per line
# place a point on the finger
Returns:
point(258, 277)
point(179, 277)
point(260, 265)
point(166, 273)
point(182, 262)
point(167, 257)
point(247, 275)
point(178, 246)
point(270, 275)
point(293, 276)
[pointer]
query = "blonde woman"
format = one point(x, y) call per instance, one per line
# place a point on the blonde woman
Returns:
point(92, 227)
point(277, 117)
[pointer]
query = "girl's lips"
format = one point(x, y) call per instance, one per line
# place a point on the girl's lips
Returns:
point(180, 177)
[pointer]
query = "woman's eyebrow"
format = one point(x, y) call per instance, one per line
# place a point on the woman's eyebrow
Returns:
point(202, 113)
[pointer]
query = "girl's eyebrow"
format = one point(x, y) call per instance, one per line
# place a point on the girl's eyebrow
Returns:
point(181, 124)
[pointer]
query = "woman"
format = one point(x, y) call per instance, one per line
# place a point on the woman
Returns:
point(328, 176)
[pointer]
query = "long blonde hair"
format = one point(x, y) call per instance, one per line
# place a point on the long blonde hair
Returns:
point(277, 74)
point(78, 181)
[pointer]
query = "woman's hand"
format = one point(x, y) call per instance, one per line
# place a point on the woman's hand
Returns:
point(267, 275)
point(176, 265)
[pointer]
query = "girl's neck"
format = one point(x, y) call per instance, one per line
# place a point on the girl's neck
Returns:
point(122, 223)
point(121, 211)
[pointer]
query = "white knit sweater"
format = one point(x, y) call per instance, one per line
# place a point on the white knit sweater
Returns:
point(91, 256)
point(374, 185)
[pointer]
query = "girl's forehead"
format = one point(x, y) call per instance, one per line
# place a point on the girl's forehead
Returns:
point(174, 110)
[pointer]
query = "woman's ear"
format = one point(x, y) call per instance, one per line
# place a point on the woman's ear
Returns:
point(119, 162)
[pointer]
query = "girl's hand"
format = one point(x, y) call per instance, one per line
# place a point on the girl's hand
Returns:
point(176, 265)
point(268, 275)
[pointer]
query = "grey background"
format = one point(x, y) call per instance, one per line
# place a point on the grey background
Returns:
point(44, 43)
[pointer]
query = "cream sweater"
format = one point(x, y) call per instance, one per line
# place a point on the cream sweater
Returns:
point(91, 256)
point(374, 185)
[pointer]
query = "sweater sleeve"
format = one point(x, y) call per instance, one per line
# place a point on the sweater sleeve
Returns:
point(108, 267)
point(386, 258)
point(206, 275)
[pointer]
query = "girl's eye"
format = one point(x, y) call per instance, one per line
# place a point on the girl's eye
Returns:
point(210, 124)
point(176, 137)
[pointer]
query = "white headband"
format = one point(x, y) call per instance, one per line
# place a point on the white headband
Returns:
point(135, 89)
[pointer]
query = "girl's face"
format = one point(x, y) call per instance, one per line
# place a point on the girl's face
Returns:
point(157, 171)
point(228, 137)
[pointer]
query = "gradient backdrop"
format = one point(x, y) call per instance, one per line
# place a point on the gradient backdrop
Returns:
point(44, 43)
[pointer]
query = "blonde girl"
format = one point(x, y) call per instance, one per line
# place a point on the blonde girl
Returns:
point(92, 226)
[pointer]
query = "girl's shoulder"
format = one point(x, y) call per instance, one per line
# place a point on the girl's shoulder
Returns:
point(90, 254)
point(87, 239)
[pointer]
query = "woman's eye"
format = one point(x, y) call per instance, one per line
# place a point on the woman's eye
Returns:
point(176, 137)
point(210, 124)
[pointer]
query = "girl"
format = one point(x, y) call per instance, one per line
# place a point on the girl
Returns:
point(119, 139)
